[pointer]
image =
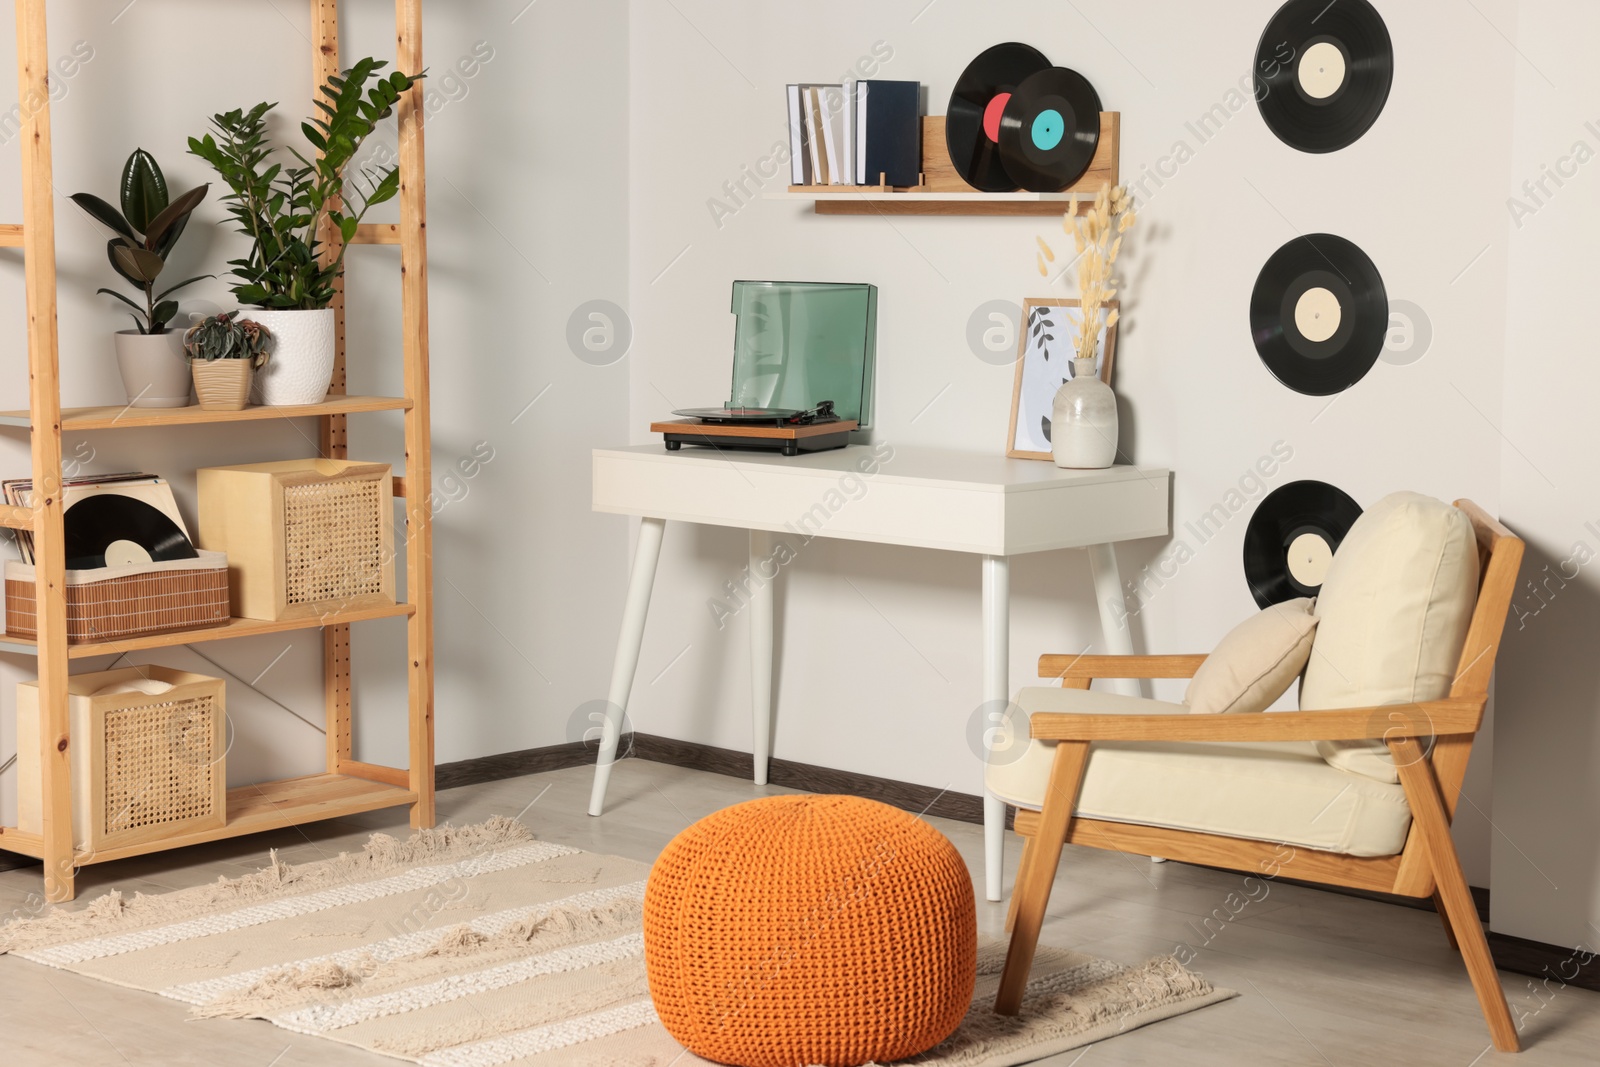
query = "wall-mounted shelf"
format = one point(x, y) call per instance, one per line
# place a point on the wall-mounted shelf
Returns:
point(944, 192)
point(123, 417)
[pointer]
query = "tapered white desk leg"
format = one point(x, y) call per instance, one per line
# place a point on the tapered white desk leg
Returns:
point(1114, 628)
point(645, 556)
point(996, 687)
point(761, 596)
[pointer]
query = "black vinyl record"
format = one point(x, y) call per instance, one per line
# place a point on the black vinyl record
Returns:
point(1319, 314)
point(97, 523)
point(1049, 130)
point(1292, 537)
point(1323, 72)
point(972, 121)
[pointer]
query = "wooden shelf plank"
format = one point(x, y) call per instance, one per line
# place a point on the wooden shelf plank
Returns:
point(251, 809)
point(122, 417)
point(234, 628)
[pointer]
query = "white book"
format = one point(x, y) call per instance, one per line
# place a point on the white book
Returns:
point(861, 133)
point(799, 163)
point(849, 141)
point(832, 98)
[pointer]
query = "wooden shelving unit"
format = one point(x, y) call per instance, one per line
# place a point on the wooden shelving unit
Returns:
point(944, 192)
point(349, 786)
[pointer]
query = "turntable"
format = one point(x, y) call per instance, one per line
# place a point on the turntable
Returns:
point(802, 371)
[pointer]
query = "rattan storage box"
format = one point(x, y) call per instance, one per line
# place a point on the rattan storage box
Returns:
point(111, 602)
point(304, 537)
point(144, 765)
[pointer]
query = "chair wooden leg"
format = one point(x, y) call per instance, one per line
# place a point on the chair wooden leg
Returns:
point(1422, 793)
point(1032, 890)
point(1022, 876)
point(1449, 931)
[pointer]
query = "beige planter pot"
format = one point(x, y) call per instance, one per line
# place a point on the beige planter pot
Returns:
point(155, 369)
point(301, 366)
point(223, 384)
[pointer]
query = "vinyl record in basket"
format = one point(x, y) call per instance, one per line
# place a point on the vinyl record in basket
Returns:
point(109, 530)
point(1291, 539)
point(1049, 130)
point(1323, 72)
point(1319, 314)
point(972, 121)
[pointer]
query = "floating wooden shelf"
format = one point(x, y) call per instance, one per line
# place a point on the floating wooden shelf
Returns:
point(944, 192)
point(251, 809)
point(123, 417)
point(231, 629)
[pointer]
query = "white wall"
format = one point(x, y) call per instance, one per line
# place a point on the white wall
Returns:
point(528, 219)
point(1547, 797)
point(879, 669)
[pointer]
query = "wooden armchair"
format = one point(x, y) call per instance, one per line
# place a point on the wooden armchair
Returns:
point(1430, 775)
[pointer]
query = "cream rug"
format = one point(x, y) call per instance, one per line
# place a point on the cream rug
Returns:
point(478, 945)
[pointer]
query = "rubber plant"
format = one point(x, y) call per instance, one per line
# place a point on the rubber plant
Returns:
point(289, 210)
point(145, 232)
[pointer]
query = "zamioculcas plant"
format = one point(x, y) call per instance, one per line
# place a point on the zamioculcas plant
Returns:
point(283, 209)
point(144, 234)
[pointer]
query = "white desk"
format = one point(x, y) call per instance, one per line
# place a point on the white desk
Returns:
point(987, 505)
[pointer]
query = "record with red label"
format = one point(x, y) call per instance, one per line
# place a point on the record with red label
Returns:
point(1319, 314)
point(972, 121)
point(1323, 72)
point(1290, 541)
point(1049, 130)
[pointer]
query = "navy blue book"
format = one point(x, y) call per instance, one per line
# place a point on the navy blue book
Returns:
point(888, 132)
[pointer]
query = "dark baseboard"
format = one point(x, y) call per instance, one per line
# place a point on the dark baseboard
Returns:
point(482, 769)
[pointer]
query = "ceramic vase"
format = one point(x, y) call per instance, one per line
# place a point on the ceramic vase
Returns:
point(1083, 424)
point(301, 367)
point(155, 369)
point(223, 384)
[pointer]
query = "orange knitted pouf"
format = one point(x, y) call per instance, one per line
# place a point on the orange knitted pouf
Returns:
point(810, 930)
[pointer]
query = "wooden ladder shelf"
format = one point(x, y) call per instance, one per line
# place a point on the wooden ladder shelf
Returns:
point(348, 786)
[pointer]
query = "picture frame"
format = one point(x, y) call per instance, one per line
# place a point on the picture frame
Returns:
point(1048, 327)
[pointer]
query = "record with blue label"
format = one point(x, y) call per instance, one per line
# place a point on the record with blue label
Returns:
point(1050, 130)
point(1291, 539)
point(972, 121)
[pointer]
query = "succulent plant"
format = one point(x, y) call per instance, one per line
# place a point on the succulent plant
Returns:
point(144, 234)
point(291, 212)
point(226, 337)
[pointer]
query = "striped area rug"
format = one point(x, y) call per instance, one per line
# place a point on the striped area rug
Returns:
point(477, 946)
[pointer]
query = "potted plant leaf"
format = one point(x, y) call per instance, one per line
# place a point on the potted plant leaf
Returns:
point(224, 354)
point(300, 218)
point(144, 233)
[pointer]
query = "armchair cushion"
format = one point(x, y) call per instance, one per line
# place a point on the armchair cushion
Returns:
point(1257, 662)
point(1279, 792)
point(1394, 611)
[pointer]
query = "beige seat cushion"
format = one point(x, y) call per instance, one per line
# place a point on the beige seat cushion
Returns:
point(1256, 663)
point(1394, 611)
point(1283, 793)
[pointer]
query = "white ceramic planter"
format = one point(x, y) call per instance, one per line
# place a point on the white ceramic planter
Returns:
point(155, 369)
point(301, 366)
point(1083, 426)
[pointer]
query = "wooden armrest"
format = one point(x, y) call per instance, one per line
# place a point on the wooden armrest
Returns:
point(1065, 667)
point(1429, 719)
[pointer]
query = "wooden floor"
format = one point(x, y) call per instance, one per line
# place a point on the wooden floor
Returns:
point(1325, 980)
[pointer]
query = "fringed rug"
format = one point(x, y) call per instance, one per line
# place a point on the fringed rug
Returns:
point(475, 946)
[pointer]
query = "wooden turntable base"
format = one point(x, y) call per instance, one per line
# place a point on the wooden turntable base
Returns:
point(768, 437)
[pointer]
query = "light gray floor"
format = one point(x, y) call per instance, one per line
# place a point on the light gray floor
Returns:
point(1324, 979)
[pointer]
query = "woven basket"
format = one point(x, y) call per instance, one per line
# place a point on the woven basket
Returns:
point(111, 602)
point(145, 765)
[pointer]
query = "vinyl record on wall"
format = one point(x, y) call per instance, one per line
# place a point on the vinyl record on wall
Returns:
point(1323, 72)
point(1291, 539)
point(972, 121)
point(1319, 314)
point(1049, 130)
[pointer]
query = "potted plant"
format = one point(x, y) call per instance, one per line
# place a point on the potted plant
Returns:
point(224, 354)
point(144, 232)
point(300, 219)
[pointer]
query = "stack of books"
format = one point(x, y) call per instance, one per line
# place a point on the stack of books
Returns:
point(855, 133)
